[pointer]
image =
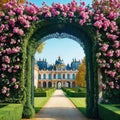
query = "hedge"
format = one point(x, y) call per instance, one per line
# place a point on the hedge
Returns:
point(11, 112)
point(40, 94)
point(45, 93)
point(109, 112)
point(75, 94)
point(71, 92)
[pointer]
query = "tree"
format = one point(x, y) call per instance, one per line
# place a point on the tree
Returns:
point(80, 77)
point(40, 47)
point(5, 1)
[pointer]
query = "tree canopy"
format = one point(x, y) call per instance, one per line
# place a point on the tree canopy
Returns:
point(80, 77)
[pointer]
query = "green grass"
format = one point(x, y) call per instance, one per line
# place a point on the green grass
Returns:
point(109, 111)
point(80, 103)
point(2, 106)
point(11, 112)
point(40, 102)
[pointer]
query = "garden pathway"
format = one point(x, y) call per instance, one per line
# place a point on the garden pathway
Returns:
point(59, 107)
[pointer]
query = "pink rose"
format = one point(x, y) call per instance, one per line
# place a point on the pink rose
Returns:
point(13, 79)
point(116, 44)
point(16, 86)
point(12, 21)
point(117, 53)
point(110, 53)
point(117, 87)
point(6, 59)
point(103, 86)
point(104, 47)
point(8, 94)
point(71, 14)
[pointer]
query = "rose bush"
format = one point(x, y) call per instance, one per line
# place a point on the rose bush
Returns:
point(16, 19)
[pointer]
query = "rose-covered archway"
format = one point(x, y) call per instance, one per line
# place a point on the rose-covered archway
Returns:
point(22, 27)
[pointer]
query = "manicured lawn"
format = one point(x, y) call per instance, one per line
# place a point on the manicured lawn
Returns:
point(109, 111)
point(80, 103)
point(40, 102)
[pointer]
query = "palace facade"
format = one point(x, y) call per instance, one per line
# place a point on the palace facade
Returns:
point(57, 75)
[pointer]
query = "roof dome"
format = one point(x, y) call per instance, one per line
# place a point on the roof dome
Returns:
point(59, 61)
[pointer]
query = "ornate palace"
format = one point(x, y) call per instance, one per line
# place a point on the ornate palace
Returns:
point(57, 75)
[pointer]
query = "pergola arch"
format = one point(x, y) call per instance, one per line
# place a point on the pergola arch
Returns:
point(45, 28)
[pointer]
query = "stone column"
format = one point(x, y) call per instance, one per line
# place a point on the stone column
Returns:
point(62, 84)
point(66, 76)
point(41, 76)
point(47, 84)
point(57, 76)
point(41, 84)
point(61, 76)
point(46, 76)
point(53, 84)
point(52, 76)
point(70, 76)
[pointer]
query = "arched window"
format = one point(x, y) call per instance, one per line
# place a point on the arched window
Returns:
point(44, 84)
point(44, 76)
point(73, 76)
point(63, 76)
point(50, 76)
point(68, 76)
point(59, 76)
point(49, 84)
point(39, 76)
point(54, 76)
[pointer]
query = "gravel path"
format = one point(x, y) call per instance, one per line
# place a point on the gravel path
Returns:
point(59, 107)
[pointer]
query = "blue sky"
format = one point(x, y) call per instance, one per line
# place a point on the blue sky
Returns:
point(49, 2)
point(66, 48)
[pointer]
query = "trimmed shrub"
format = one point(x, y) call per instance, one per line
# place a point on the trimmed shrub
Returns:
point(28, 111)
point(109, 112)
point(40, 94)
point(75, 92)
point(11, 112)
point(44, 92)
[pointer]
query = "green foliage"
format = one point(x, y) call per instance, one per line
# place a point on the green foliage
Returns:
point(86, 34)
point(40, 101)
point(80, 77)
point(75, 92)
point(40, 47)
point(28, 110)
point(11, 112)
point(42, 92)
point(80, 103)
point(109, 112)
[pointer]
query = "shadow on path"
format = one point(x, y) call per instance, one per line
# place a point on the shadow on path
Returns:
point(59, 107)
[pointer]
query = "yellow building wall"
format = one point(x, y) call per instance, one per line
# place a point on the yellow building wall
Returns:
point(5, 1)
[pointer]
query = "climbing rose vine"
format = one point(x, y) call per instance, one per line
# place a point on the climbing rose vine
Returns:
point(16, 20)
